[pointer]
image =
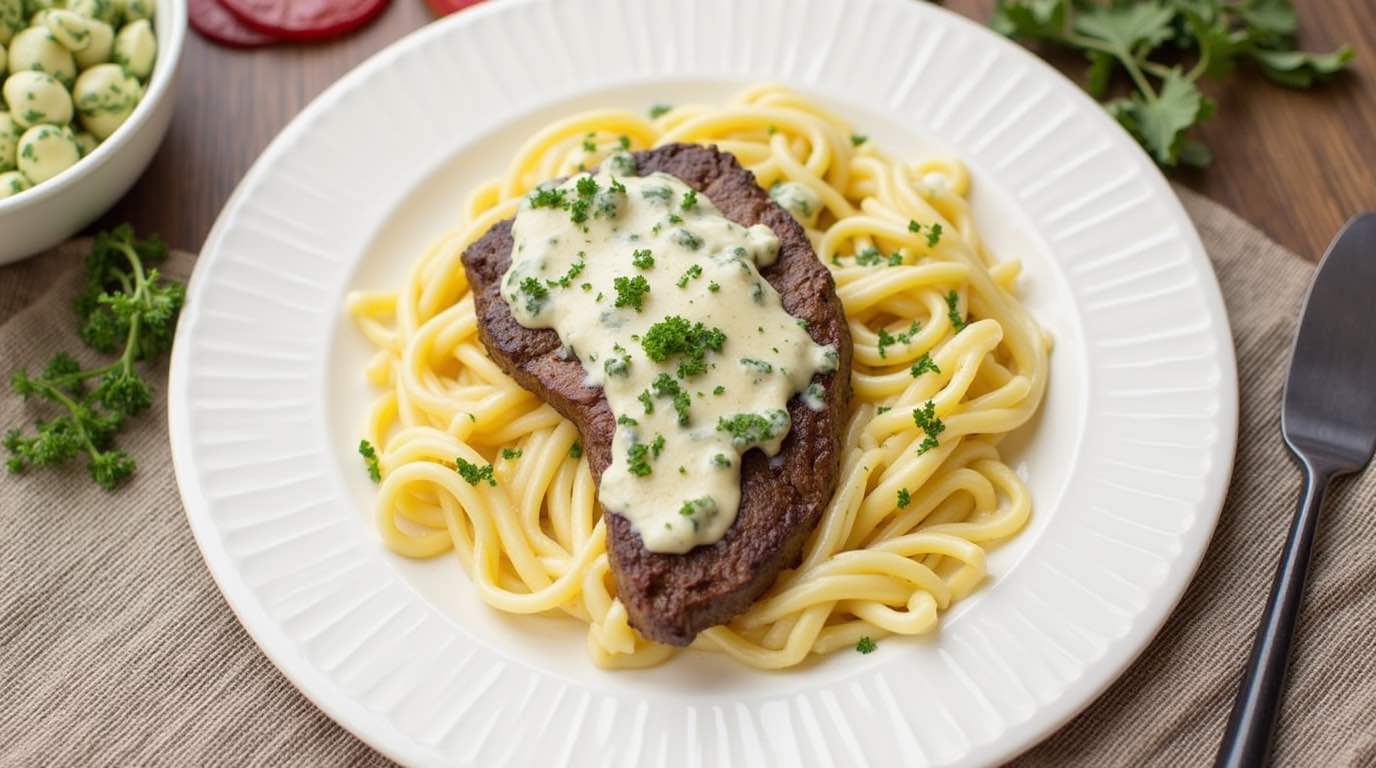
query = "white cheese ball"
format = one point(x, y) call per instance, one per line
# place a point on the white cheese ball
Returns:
point(37, 97)
point(70, 29)
point(100, 47)
point(102, 10)
point(105, 95)
point(9, 141)
point(137, 9)
point(11, 19)
point(136, 48)
point(85, 142)
point(36, 49)
point(45, 151)
point(12, 183)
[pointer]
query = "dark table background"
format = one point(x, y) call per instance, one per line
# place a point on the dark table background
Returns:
point(1295, 163)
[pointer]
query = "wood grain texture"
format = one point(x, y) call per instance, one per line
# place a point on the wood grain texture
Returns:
point(1295, 163)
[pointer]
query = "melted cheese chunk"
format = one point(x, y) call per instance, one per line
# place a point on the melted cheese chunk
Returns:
point(660, 298)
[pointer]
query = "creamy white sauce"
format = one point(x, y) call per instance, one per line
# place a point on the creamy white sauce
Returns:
point(675, 471)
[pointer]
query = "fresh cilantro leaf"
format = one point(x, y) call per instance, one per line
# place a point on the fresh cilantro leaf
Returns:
point(1127, 27)
point(1298, 69)
point(1160, 123)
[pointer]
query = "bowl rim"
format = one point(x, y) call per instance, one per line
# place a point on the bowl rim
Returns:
point(170, 27)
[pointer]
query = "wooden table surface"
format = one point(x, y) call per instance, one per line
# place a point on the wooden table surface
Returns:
point(1295, 163)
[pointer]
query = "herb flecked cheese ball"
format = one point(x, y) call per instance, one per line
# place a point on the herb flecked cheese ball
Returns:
point(36, 97)
point(45, 151)
point(71, 73)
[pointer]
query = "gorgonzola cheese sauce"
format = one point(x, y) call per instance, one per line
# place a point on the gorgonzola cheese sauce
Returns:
point(660, 298)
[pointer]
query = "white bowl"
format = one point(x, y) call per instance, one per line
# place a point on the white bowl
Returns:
point(49, 213)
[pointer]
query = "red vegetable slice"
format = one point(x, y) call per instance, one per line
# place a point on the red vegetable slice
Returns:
point(446, 7)
point(305, 19)
point(215, 23)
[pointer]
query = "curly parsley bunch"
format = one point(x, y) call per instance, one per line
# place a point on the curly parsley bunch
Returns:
point(126, 308)
point(1131, 35)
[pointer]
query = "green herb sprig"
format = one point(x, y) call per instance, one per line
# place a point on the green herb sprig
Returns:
point(1130, 36)
point(126, 307)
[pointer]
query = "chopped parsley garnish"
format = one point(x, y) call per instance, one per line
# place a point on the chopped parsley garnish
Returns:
point(868, 257)
point(705, 506)
point(866, 645)
point(657, 194)
point(575, 269)
point(630, 291)
point(693, 272)
point(857, 139)
point(638, 456)
point(926, 419)
point(589, 145)
point(576, 450)
point(535, 293)
point(924, 364)
point(659, 110)
point(747, 429)
point(472, 473)
point(885, 340)
point(713, 287)
point(665, 386)
point(647, 401)
point(623, 141)
point(617, 365)
point(511, 454)
point(690, 200)
point(756, 365)
point(548, 197)
point(637, 460)
point(882, 409)
point(369, 454)
point(757, 296)
point(675, 336)
point(720, 460)
point(643, 259)
point(687, 239)
point(904, 498)
point(953, 311)
point(896, 259)
point(627, 421)
point(719, 390)
point(933, 232)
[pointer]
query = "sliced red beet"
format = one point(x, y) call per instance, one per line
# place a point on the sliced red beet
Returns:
point(304, 19)
point(215, 23)
point(446, 7)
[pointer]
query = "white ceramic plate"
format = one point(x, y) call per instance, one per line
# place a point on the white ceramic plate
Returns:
point(1128, 462)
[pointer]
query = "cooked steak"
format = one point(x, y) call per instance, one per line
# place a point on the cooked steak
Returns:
point(672, 597)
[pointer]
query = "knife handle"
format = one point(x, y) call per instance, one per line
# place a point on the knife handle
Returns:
point(1247, 739)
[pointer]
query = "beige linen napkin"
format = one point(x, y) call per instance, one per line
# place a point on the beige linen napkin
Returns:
point(117, 649)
